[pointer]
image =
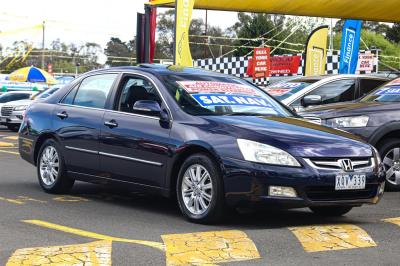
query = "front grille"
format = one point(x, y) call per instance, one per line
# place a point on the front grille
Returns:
point(328, 193)
point(335, 163)
point(313, 119)
point(6, 110)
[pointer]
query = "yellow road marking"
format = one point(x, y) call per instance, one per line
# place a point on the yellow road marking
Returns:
point(70, 199)
point(79, 232)
point(6, 144)
point(21, 200)
point(12, 201)
point(395, 221)
point(9, 152)
point(11, 138)
point(96, 254)
point(209, 248)
point(332, 237)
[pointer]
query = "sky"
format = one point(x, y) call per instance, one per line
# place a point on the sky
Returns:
point(79, 21)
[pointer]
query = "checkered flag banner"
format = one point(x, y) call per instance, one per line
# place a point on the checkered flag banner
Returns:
point(237, 66)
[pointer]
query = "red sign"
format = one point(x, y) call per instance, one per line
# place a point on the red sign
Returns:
point(50, 69)
point(259, 65)
point(285, 65)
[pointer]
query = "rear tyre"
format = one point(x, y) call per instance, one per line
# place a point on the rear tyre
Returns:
point(13, 128)
point(331, 211)
point(200, 191)
point(51, 169)
point(390, 154)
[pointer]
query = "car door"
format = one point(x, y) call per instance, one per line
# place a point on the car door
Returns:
point(77, 121)
point(134, 144)
point(336, 91)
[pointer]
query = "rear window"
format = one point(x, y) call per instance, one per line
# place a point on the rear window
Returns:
point(9, 97)
point(284, 90)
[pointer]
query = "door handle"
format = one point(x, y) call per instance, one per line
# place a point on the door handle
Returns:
point(62, 115)
point(111, 124)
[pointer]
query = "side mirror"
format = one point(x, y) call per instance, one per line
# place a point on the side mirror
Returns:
point(311, 100)
point(146, 106)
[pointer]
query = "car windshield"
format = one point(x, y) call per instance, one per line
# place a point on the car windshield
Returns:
point(286, 89)
point(216, 95)
point(8, 97)
point(390, 92)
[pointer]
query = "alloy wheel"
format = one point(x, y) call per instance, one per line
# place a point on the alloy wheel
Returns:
point(197, 189)
point(49, 166)
point(391, 162)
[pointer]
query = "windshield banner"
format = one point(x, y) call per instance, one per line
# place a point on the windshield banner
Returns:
point(206, 100)
point(388, 91)
point(217, 87)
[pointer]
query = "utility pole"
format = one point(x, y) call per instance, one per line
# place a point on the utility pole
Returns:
point(331, 37)
point(43, 32)
point(205, 34)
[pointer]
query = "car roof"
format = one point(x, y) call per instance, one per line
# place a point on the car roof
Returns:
point(339, 76)
point(157, 69)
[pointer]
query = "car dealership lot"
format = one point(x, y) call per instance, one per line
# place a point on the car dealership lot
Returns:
point(104, 225)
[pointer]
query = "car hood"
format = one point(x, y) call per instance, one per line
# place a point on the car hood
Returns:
point(295, 135)
point(19, 102)
point(349, 109)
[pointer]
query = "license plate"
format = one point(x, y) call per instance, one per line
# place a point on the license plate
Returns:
point(349, 182)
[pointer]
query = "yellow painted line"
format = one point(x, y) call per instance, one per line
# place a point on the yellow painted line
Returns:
point(96, 254)
point(88, 234)
point(6, 144)
point(395, 221)
point(332, 237)
point(9, 152)
point(70, 199)
point(19, 202)
point(11, 138)
point(209, 248)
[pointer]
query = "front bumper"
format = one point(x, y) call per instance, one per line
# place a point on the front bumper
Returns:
point(247, 184)
point(15, 118)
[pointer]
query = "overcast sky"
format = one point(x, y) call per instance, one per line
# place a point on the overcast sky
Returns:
point(79, 21)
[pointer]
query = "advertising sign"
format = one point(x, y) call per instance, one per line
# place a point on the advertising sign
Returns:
point(366, 63)
point(182, 54)
point(261, 63)
point(350, 46)
point(281, 65)
point(316, 52)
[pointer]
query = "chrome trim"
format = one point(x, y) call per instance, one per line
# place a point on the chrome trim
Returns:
point(82, 107)
point(133, 114)
point(337, 164)
point(81, 150)
point(130, 159)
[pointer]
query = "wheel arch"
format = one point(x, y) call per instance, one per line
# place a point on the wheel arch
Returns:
point(391, 130)
point(39, 142)
point(182, 153)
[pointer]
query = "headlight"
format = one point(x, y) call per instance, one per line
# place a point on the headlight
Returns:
point(262, 153)
point(20, 108)
point(351, 121)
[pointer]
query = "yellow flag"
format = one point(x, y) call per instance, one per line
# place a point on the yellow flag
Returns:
point(316, 52)
point(184, 10)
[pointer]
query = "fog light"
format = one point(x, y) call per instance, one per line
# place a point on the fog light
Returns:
point(276, 191)
point(381, 189)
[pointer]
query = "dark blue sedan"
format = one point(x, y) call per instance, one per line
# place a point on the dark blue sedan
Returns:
point(212, 141)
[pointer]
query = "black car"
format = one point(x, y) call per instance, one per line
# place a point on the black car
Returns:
point(209, 139)
point(375, 118)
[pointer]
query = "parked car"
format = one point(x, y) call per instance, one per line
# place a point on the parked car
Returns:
point(11, 96)
point(12, 112)
point(183, 132)
point(300, 93)
point(375, 118)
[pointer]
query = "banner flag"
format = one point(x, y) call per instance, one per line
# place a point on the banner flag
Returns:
point(351, 35)
point(183, 18)
point(316, 52)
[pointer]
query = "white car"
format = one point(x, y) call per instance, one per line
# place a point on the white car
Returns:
point(12, 112)
point(303, 92)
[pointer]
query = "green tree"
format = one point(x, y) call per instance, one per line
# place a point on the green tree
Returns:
point(118, 53)
point(393, 33)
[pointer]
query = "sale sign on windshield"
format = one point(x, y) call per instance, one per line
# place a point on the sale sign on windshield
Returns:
point(261, 63)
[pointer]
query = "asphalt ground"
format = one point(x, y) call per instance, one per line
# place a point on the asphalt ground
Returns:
point(95, 225)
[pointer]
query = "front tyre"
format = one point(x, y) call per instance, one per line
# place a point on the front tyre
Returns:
point(390, 154)
point(200, 190)
point(331, 211)
point(51, 169)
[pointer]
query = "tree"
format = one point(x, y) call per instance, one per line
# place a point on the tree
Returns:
point(118, 53)
point(393, 33)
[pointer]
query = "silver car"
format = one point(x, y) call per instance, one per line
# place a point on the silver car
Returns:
point(300, 93)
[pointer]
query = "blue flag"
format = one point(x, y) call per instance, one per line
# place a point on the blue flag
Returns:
point(350, 46)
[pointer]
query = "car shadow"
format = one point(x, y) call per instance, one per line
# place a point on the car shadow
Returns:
point(168, 210)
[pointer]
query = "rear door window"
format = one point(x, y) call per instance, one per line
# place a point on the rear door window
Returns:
point(368, 85)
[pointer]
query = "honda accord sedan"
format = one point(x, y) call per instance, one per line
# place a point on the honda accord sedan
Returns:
point(211, 141)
